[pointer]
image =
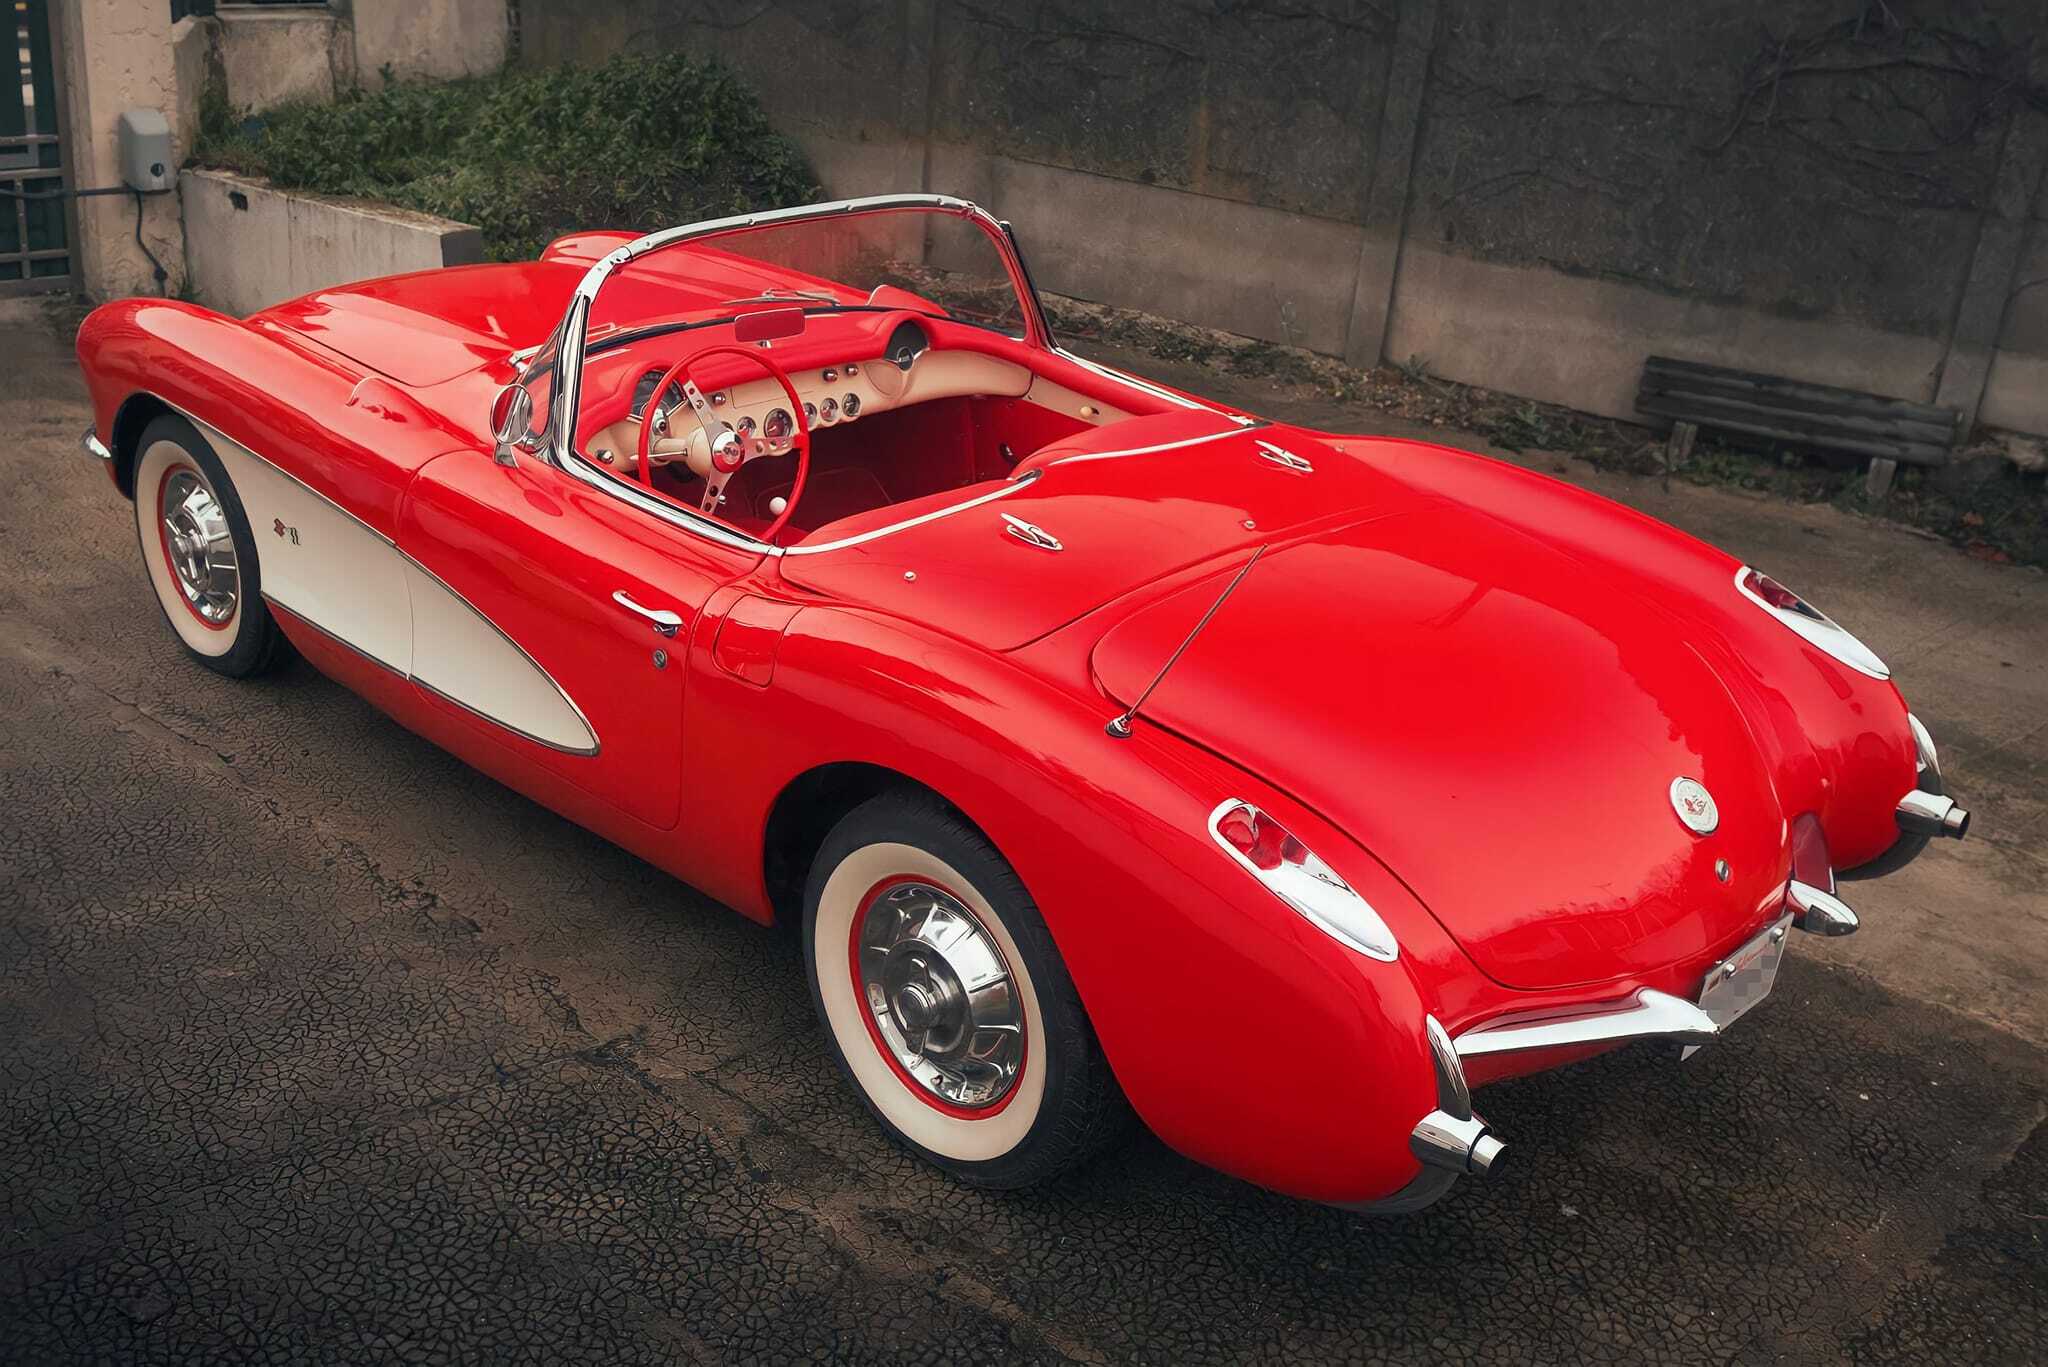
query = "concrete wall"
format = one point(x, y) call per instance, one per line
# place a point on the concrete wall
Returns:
point(420, 41)
point(1529, 196)
point(263, 56)
point(251, 246)
point(117, 56)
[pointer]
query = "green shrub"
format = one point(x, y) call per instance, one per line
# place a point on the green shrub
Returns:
point(637, 144)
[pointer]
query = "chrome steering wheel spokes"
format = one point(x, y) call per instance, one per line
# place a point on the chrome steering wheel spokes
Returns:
point(199, 547)
point(940, 993)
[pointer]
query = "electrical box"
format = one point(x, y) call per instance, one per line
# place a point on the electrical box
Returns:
point(143, 138)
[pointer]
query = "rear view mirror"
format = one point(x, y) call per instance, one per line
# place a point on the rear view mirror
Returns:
point(512, 413)
point(512, 420)
point(768, 324)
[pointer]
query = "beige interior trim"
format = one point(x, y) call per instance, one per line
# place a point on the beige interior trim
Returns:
point(878, 386)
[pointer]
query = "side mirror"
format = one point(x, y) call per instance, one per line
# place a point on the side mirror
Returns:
point(512, 420)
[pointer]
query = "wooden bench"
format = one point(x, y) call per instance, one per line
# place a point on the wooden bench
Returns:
point(1889, 431)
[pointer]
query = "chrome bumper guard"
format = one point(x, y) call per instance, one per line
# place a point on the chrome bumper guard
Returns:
point(1451, 1141)
point(1924, 814)
point(91, 444)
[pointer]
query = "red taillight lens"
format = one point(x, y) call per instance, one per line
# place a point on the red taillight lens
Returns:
point(1777, 595)
point(1261, 839)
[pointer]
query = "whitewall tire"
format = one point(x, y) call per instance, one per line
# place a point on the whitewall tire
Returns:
point(945, 1001)
point(198, 553)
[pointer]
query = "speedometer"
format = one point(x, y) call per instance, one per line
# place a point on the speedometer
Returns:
point(777, 426)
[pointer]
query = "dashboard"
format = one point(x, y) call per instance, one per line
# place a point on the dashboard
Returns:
point(907, 372)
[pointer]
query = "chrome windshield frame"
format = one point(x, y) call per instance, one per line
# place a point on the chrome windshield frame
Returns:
point(571, 335)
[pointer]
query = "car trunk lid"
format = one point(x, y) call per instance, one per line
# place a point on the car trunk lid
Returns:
point(1498, 724)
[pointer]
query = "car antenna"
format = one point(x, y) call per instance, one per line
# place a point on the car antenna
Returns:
point(1120, 727)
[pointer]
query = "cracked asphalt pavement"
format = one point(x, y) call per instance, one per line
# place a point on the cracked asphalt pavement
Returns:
point(317, 1046)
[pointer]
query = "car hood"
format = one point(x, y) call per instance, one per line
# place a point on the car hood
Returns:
point(1496, 721)
point(431, 326)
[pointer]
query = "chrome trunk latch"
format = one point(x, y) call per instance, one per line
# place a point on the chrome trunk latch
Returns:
point(1032, 535)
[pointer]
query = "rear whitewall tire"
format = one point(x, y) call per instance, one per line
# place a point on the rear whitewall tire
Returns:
point(906, 1111)
point(1062, 1105)
point(244, 640)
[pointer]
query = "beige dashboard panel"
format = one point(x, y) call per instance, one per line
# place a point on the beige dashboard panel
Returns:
point(876, 387)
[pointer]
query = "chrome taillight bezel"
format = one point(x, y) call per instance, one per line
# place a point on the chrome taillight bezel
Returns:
point(1813, 626)
point(1316, 892)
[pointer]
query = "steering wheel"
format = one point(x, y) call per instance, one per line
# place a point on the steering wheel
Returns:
point(730, 448)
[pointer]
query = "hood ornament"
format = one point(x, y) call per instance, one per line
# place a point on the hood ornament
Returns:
point(1695, 806)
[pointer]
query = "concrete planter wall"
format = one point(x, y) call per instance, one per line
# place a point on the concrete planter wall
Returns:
point(249, 245)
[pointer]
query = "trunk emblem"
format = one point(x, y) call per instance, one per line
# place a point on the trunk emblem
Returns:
point(1695, 806)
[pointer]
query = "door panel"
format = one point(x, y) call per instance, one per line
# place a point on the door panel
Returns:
point(541, 556)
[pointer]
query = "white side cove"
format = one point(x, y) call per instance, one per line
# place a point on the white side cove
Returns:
point(323, 564)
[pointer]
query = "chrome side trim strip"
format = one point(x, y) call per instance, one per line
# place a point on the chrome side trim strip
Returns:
point(91, 444)
point(595, 744)
point(1004, 492)
point(1084, 457)
point(1650, 1014)
point(344, 643)
point(1143, 386)
point(221, 432)
point(583, 751)
point(388, 667)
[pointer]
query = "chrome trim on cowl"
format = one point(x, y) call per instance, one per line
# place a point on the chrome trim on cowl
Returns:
point(1649, 1014)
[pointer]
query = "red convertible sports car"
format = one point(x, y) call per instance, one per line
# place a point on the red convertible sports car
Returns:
point(1112, 749)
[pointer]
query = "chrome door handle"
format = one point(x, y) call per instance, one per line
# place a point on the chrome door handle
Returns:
point(661, 619)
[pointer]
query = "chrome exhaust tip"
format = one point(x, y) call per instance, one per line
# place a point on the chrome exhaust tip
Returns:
point(1442, 1140)
point(1931, 815)
point(1819, 912)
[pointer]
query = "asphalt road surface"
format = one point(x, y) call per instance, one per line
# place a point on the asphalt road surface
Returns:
point(314, 1045)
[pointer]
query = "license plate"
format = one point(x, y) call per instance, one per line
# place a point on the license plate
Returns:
point(1742, 979)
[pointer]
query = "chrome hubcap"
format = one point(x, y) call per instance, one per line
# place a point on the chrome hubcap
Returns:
point(202, 553)
point(941, 995)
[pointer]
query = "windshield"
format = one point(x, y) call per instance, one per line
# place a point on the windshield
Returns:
point(939, 262)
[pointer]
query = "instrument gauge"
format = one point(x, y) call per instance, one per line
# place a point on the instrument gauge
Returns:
point(810, 412)
point(828, 411)
point(777, 426)
point(746, 425)
point(850, 405)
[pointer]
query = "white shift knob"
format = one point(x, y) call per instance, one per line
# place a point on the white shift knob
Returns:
point(778, 505)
